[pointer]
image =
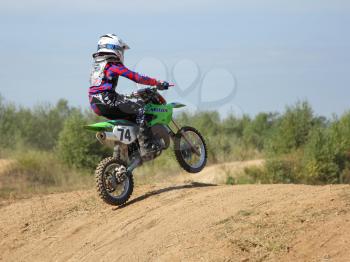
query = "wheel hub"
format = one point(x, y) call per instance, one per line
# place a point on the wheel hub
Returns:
point(115, 178)
point(111, 183)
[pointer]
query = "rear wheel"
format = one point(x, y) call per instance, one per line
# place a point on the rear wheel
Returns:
point(113, 183)
point(190, 149)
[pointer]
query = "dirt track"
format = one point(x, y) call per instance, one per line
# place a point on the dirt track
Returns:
point(183, 222)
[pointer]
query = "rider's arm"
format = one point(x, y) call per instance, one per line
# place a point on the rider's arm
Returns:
point(121, 70)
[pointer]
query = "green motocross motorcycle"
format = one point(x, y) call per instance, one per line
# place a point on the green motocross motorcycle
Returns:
point(114, 177)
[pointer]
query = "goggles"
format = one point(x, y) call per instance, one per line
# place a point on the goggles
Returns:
point(110, 46)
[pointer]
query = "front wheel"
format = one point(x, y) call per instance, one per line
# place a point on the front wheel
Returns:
point(113, 183)
point(190, 149)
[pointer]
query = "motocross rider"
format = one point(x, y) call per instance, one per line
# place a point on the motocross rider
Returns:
point(107, 67)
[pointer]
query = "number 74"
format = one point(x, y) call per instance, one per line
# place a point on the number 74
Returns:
point(124, 134)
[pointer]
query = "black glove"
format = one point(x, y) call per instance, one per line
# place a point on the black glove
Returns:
point(163, 85)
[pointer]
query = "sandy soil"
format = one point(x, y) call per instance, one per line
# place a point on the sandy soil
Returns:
point(182, 222)
point(5, 165)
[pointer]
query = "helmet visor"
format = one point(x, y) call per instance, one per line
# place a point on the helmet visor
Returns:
point(110, 46)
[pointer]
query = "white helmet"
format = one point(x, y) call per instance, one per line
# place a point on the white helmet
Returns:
point(113, 45)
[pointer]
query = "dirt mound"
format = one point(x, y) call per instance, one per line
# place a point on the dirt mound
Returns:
point(182, 222)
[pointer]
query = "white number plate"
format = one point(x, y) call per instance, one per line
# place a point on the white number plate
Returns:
point(125, 134)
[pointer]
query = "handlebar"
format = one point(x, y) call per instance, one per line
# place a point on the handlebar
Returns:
point(153, 88)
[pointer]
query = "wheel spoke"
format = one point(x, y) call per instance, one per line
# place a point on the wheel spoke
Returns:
point(114, 188)
point(192, 149)
point(113, 185)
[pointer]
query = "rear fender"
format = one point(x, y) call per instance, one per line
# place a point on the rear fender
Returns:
point(99, 127)
point(108, 125)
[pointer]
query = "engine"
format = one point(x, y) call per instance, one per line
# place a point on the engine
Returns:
point(159, 138)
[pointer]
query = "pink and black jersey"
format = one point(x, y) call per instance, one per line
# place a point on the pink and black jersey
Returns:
point(110, 76)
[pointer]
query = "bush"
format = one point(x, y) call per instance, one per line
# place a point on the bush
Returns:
point(78, 147)
point(8, 128)
point(35, 128)
point(224, 138)
point(323, 158)
point(230, 180)
point(256, 175)
point(283, 169)
point(32, 171)
point(327, 153)
point(258, 130)
point(293, 129)
point(234, 126)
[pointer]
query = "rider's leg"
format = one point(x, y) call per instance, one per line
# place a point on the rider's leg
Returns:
point(137, 110)
point(115, 106)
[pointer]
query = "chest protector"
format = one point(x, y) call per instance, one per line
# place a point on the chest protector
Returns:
point(97, 72)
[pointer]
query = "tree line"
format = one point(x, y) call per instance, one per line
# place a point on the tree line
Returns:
point(298, 145)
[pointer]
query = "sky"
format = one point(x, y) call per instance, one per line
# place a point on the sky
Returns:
point(241, 57)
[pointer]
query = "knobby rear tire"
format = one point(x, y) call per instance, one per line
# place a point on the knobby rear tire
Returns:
point(101, 187)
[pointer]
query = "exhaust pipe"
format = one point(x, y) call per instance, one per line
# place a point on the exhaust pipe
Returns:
point(100, 136)
point(104, 137)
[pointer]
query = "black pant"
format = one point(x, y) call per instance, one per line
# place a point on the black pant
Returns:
point(114, 106)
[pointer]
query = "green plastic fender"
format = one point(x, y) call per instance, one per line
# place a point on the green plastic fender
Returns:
point(177, 105)
point(107, 125)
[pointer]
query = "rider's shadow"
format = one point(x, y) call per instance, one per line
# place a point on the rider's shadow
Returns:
point(164, 190)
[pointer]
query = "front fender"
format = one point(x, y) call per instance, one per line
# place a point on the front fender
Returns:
point(176, 105)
